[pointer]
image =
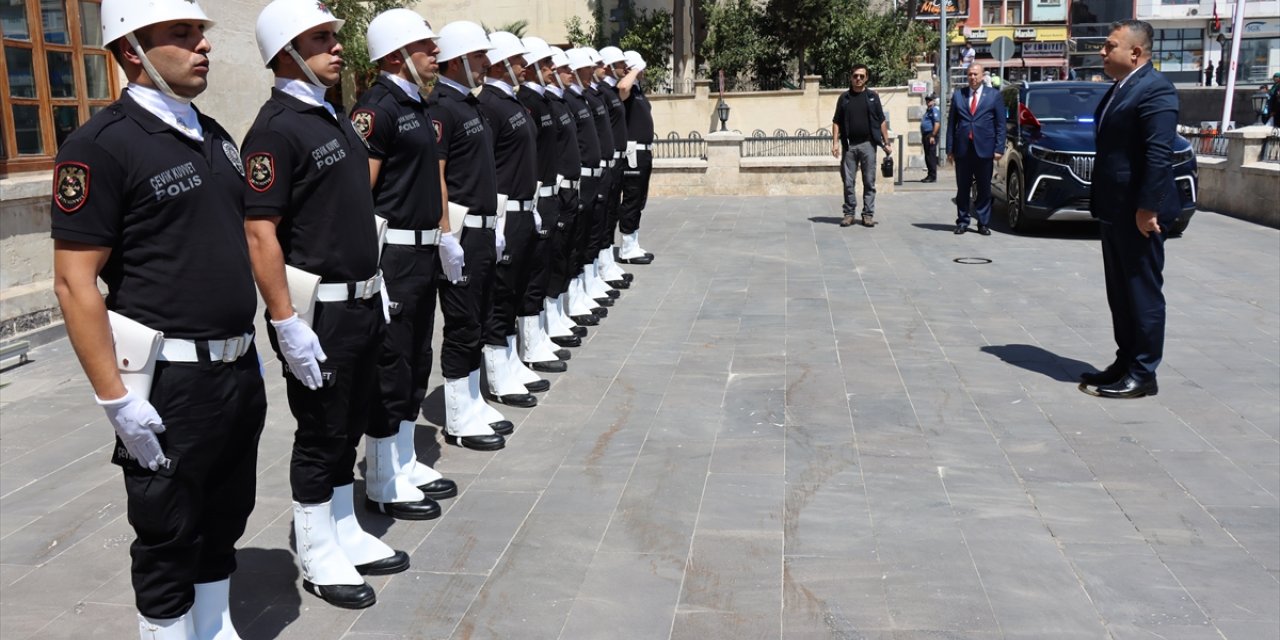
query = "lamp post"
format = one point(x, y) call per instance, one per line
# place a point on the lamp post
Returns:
point(1222, 61)
point(722, 110)
point(1260, 105)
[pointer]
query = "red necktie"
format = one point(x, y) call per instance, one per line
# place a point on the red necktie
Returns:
point(973, 108)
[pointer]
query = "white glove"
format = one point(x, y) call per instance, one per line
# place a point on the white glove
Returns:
point(499, 242)
point(451, 257)
point(301, 350)
point(137, 423)
point(537, 221)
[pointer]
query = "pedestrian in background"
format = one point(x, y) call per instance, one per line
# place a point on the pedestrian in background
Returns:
point(975, 141)
point(858, 128)
point(930, 122)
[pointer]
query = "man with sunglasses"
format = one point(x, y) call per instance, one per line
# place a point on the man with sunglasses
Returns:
point(858, 128)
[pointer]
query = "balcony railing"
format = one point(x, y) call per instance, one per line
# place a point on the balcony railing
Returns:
point(674, 146)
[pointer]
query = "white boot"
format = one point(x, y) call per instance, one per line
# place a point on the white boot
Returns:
point(484, 414)
point(212, 611)
point(578, 298)
point(552, 321)
point(179, 628)
point(419, 474)
point(503, 384)
point(562, 308)
point(596, 288)
point(321, 558)
point(384, 478)
point(360, 548)
point(534, 344)
point(609, 270)
point(631, 251)
point(462, 417)
point(522, 373)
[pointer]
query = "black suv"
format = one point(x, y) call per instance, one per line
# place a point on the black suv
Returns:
point(1046, 171)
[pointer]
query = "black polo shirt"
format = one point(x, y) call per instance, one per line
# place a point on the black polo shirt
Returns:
point(515, 144)
point(311, 169)
point(604, 128)
point(585, 122)
point(399, 132)
point(465, 143)
point(617, 115)
point(569, 158)
point(639, 116)
point(170, 210)
point(539, 106)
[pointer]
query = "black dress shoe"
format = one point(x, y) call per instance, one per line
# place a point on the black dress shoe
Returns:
point(503, 427)
point(600, 312)
point(628, 277)
point(567, 341)
point(984, 230)
point(589, 320)
point(613, 293)
point(538, 387)
point(478, 443)
point(346, 596)
point(522, 400)
point(581, 332)
point(439, 489)
point(961, 229)
point(1128, 387)
point(563, 354)
point(555, 366)
point(395, 563)
point(644, 259)
point(427, 509)
point(604, 302)
point(618, 284)
point(1111, 375)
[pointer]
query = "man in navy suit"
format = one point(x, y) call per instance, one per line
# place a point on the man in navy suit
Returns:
point(975, 141)
point(1134, 197)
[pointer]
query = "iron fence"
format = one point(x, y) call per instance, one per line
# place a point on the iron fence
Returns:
point(1271, 147)
point(802, 143)
point(672, 86)
point(674, 146)
point(1208, 143)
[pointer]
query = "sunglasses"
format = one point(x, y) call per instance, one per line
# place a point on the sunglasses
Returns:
point(860, 75)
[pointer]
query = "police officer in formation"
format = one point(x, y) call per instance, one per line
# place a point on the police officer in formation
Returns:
point(639, 160)
point(314, 245)
point(498, 192)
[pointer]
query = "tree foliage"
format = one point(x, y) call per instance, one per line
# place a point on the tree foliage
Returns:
point(885, 42)
point(736, 37)
point(647, 32)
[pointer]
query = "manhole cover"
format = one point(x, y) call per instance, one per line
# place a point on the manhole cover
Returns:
point(973, 260)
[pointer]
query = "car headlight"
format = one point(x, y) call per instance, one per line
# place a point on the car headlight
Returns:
point(1048, 155)
point(1185, 155)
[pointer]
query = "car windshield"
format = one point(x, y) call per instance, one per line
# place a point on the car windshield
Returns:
point(1065, 104)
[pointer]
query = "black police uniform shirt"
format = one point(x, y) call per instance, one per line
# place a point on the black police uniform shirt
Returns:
point(398, 129)
point(310, 168)
point(569, 155)
point(169, 208)
point(604, 128)
point(534, 98)
point(639, 116)
point(515, 142)
point(585, 122)
point(465, 143)
point(617, 113)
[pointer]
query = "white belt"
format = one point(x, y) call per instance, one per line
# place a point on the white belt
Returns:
point(618, 154)
point(608, 163)
point(412, 237)
point(343, 291)
point(550, 190)
point(515, 206)
point(644, 147)
point(229, 350)
point(569, 184)
point(480, 222)
point(592, 173)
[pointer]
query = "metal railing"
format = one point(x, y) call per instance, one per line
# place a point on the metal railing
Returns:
point(802, 143)
point(675, 146)
point(672, 86)
point(1208, 144)
point(1271, 147)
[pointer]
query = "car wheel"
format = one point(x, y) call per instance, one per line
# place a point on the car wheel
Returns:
point(1014, 205)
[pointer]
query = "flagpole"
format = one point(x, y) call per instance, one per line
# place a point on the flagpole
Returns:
point(1237, 24)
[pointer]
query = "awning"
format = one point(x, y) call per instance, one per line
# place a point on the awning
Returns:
point(1016, 63)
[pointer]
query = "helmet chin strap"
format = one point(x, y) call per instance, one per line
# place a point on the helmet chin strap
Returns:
point(559, 80)
point(413, 70)
point(161, 85)
point(302, 64)
point(511, 72)
point(471, 81)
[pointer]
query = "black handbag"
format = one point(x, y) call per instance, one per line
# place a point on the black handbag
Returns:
point(886, 167)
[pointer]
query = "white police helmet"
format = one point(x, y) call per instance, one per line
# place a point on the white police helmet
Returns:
point(283, 20)
point(121, 17)
point(392, 30)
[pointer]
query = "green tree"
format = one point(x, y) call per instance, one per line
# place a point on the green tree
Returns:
point(885, 42)
point(650, 34)
point(517, 28)
point(736, 39)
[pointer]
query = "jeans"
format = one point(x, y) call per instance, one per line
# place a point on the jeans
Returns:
point(861, 156)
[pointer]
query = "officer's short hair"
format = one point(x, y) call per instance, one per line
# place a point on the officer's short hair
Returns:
point(444, 66)
point(143, 34)
point(862, 67)
point(1146, 35)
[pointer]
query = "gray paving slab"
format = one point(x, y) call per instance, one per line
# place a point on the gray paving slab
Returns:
point(783, 430)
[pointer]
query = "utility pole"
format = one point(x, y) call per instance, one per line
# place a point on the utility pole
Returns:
point(944, 72)
point(1237, 26)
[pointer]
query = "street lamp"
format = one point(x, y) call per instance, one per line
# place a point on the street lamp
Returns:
point(1222, 60)
point(1260, 105)
point(722, 110)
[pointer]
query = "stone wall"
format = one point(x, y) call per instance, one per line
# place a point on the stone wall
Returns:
point(26, 256)
point(1241, 185)
point(725, 172)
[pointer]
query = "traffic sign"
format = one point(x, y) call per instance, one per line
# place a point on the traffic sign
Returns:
point(1002, 49)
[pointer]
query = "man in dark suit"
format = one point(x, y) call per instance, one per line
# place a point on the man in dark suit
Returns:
point(975, 141)
point(1134, 197)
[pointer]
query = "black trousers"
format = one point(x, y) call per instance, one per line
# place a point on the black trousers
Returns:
point(511, 277)
point(613, 202)
point(404, 363)
point(466, 304)
point(563, 266)
point(970, 170)
point(540, 257)
point(1134, 269)
point(635, 192)
point(589, 201)
point(591, 244)
point(930, 155)
point(188, 517)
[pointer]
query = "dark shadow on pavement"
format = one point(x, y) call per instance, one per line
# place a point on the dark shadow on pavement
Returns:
point(825, 219)
point(1033, 358)
point(934, 226)
point(265, 592)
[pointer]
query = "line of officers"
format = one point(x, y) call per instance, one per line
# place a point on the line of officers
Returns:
point(499, 193)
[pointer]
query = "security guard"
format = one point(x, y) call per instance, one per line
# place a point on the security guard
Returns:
point(929, 128)
point(614, 86)
point(534, 321)
point(464, 142)
point(594, 287)
point(515, 158)
point(309, 208)
point(562, 328)
point(147, 195)
point(635, 179)
point(581, 68)
point(393, 120)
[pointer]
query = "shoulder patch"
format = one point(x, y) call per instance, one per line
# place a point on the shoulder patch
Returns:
point(71, 186)
point(435, 124)
point(233, 154)
point(261, 170)
point(362, 120)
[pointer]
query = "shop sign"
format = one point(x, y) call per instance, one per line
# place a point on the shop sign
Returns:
point(1027, 33)
point(1044, 49)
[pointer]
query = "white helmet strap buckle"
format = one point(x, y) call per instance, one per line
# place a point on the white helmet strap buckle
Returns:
point(158, 81)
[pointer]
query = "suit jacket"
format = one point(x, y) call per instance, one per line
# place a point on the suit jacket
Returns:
point(987, 124)
point(1135, 137)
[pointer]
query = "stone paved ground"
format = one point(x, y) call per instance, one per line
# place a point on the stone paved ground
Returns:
point(785, 430)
